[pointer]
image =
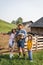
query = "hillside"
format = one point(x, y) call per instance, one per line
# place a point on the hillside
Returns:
point(5, 27)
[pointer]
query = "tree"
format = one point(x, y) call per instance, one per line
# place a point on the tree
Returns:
point(19, 20)
point(14, 22)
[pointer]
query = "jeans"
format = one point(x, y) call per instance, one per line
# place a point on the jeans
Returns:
point(21, 43)
point(30, 54)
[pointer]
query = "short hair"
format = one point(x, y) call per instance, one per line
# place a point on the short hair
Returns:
point(20, 24)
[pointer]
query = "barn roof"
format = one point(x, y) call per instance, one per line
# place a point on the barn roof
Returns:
point(27, 22)
point(38, 23)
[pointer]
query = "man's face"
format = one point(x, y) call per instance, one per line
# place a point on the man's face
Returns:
point(20, 27)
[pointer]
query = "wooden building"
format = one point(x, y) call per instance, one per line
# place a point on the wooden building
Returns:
point(27, 25)
point(37, 27)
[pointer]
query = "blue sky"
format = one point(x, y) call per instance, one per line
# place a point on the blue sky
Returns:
point(27, 9)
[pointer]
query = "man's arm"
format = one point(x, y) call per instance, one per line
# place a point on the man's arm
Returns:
point(25, 34)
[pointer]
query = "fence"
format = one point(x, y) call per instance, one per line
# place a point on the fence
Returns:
point(37, 43)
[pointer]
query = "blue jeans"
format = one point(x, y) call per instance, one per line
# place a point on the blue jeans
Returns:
point(30, 54)
point(21, 43)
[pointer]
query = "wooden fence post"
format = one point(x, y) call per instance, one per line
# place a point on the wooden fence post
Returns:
point(36, 42)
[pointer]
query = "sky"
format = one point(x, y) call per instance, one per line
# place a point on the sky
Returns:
point(27, 9)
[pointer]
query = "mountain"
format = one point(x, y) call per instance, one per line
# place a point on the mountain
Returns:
point(5, 26)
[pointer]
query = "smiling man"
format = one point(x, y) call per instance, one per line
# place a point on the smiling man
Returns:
point(20, 42)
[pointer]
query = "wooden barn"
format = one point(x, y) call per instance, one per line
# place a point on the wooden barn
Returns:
point(27, 25)
point(37, 27)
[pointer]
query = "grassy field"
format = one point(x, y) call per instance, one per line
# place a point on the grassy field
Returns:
point(5, 27)
point(37, 59)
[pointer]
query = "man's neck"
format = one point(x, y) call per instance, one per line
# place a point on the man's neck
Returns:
point(20, 29)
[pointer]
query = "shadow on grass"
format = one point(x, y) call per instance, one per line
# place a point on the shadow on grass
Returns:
point(4, 56)
point(15, 57)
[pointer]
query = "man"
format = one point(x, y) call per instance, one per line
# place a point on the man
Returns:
point(20, 42)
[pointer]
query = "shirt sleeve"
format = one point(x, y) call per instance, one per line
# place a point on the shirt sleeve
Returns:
point(25, 33)
point(12, 36)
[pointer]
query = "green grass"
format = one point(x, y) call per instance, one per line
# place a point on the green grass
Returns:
point(5, 27)
point(37, 59)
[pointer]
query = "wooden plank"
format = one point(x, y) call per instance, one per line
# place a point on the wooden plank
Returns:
point(39, 45)
point(40, 48)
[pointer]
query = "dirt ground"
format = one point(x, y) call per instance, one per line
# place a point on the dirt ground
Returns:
point(4, 45)
point(4, 38)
